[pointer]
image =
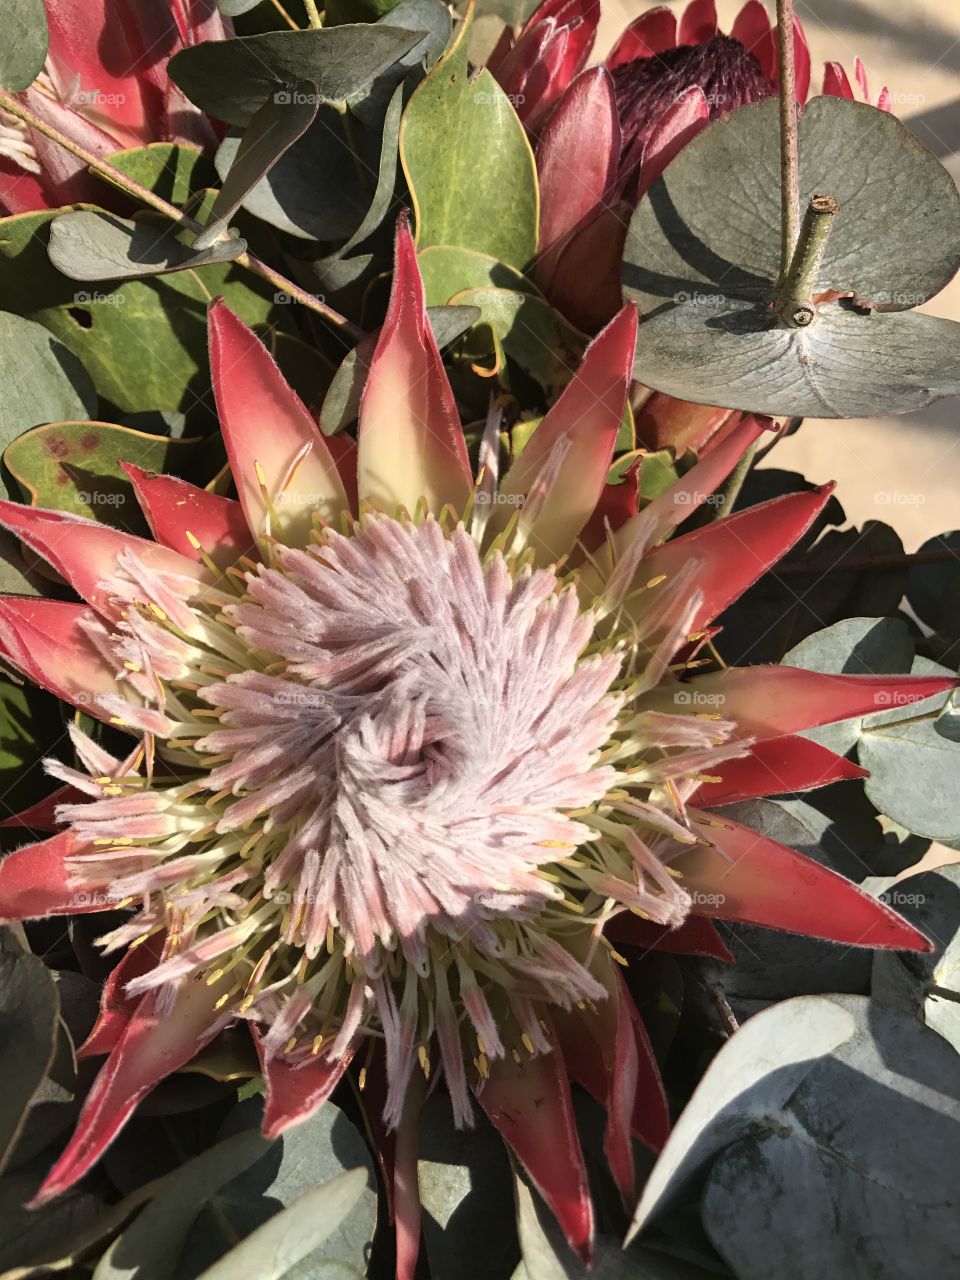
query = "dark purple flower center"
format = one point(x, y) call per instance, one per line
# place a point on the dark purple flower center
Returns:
point(729, 75)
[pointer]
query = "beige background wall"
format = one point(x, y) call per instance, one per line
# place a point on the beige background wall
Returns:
point(913, 47)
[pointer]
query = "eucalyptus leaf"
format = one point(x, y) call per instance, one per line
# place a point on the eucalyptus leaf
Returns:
point(464, 1181)
point(150, 1248)
point(26, 1234)
point(934, 589)
point(462, 147)
point(143, 342)
point(100, 246)
point(307, 1155)
point(41, 380)
point(272, 131)
point(275, 1249)
point(711, 222)
point(913, 768)
point(342, 401)
point(925, 985)
point(546, 1255)
point(231, 79)
point(321, 160)
point(871, 1186)
point(702, 260)
point(25, 41)
point(386, 181)
point(28, 1017)
point(844, 365)
point(234, 8)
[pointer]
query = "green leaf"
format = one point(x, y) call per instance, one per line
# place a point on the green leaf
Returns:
point(150, 1248)
point(25, 41)
point(28, 1017)
point(531, 332)
point(448, 270)
point(306, 1156)
point(30, 729)
point(842, 1109)
point(168, 169)
point(928, 985)
point(275, 1249)
point(272, 131)
point(231, 79)
point(75, 467)
point(143, 342)
point(462, 147)
point(702, 259)
point(464, 1180)
point(40, 380)
point(100, 246)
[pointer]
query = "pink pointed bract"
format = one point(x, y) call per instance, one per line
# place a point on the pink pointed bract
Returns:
point(395, 770)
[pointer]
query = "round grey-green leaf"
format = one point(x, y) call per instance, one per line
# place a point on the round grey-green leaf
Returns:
point(914, 768)
point(28, 1031)
point(149, 1249)
point(23, 49)
point(40, 379)
point(714, 348)
point(711, 222)
point(841, 1113)
point(231, 79)
point(304, 1157)
point(276, 1248)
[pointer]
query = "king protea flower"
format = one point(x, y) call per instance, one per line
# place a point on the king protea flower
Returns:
point(405, 740)
point(105, 86)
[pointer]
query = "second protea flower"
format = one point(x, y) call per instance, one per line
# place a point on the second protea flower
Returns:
point(397, 763)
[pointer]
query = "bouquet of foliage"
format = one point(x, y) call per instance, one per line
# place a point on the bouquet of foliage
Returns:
point(460, 815)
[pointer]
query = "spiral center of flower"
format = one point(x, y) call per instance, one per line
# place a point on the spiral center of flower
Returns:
point(417, 731)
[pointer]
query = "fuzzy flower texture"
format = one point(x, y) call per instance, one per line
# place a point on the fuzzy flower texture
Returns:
point(409, 746)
